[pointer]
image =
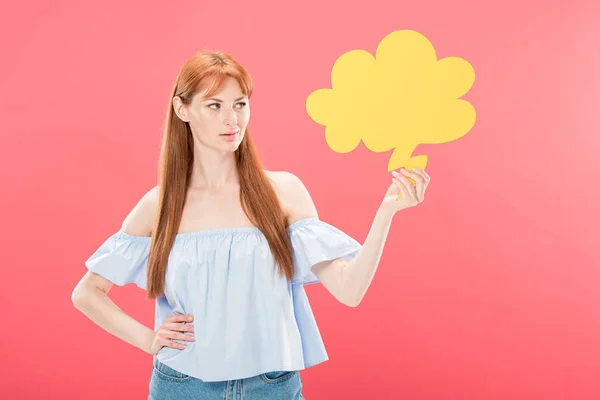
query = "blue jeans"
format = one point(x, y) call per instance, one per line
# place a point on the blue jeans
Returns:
point(167, 384)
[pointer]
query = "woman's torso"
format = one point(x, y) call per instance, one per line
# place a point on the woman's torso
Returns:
point(220, 271)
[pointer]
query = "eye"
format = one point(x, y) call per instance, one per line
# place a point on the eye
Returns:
point(243, 104)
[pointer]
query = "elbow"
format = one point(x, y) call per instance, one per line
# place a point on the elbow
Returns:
point(79, 297)
point(350, 299)
point(352, 302)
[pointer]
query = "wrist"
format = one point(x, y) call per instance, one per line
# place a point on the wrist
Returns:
point(147, 340)
point(385, 213)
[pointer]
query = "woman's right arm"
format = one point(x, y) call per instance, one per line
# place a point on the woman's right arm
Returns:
point(90, 296)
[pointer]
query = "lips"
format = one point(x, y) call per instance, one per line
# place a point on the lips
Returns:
point(230, 137)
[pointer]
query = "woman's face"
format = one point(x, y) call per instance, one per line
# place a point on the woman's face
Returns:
point(211, 119)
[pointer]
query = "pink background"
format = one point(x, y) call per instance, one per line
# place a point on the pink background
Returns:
point(487, 290)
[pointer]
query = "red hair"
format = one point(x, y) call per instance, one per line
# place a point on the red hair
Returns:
point(207, 72)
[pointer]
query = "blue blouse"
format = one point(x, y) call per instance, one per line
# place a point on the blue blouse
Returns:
point(248, 319)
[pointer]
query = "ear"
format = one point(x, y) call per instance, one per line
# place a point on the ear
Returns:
point(180, 109)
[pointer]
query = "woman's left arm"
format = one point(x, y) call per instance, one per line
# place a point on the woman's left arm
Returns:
point(348, 282)
point(357, 274)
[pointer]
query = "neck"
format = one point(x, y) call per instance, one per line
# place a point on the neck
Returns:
point(213, 170)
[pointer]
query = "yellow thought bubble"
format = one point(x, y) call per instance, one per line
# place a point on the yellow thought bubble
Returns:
point(402, 97)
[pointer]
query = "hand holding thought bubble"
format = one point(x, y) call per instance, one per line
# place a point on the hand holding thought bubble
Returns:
point(402, 97)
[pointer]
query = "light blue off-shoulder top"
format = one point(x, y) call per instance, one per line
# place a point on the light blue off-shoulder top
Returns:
point(248, 319)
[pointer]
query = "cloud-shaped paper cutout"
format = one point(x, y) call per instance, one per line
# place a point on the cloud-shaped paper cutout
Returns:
point(402, 97)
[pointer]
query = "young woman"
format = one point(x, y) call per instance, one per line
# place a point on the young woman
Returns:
point(240, 243)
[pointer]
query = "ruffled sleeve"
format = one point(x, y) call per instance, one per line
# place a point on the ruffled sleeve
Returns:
point(122, 259)
point(314, 241)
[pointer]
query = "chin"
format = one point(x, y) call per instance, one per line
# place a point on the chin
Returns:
point(231, 147)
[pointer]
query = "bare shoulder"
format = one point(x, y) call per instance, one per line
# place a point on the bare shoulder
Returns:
point(293, 195)
point(140, 219)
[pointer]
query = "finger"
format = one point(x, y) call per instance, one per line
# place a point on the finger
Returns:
point(401, 187)
point(164, 342)
point(182, 336)
point(412, 189)
point(424, 174)
point(170, 343)
point(415, 176)
point(180, 318)
point(420, 183)
point(420, 172)
point(398, 175)
point(414, 179)
point(174, 335)
point(409, 187)
point(427, 180)
point(173, 326)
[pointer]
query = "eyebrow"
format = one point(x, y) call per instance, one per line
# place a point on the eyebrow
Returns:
point(220, 101)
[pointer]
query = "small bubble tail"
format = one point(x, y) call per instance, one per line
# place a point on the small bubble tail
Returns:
point(396, 162)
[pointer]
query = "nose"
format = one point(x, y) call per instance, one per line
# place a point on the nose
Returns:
point(230, 118)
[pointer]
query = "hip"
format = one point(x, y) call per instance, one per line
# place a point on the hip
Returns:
point(167, 383)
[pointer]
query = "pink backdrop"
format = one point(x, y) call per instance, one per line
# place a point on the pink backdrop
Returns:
point(487, 290)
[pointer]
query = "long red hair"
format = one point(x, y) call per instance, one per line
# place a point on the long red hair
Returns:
point(207, 72)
